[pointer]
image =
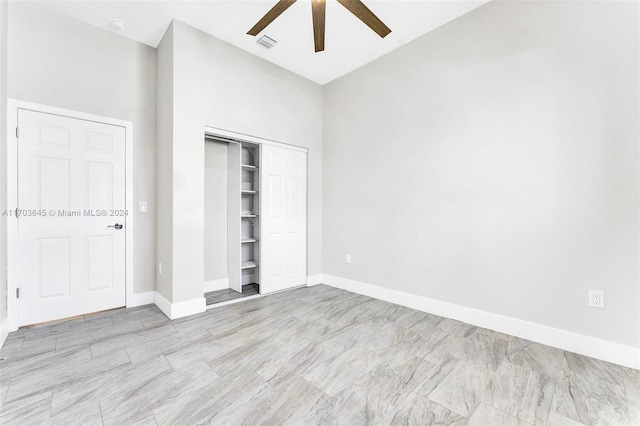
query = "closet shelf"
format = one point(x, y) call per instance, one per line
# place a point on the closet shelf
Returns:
point(249, 240)
point(249, 265)
point(249, 191)
point(249, 168)
point(248, 215)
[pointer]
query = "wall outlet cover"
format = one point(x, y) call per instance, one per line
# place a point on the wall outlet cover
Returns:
point(596, 299)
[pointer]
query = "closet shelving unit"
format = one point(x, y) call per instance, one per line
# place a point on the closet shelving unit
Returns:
point(249, 213)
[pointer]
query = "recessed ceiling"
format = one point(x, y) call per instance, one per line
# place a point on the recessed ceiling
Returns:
point(349, 43)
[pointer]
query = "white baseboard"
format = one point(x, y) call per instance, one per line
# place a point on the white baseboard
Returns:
point(605, 350)
point(215, 285)
point(180, 309)
point(4, 331)
point(140, 299)
point(314, 280)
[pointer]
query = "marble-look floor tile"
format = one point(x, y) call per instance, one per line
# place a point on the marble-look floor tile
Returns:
point(573, 363)
point(534, 356)
point(305, 359)
point(556, 419)
point(95, 333)
point(16, 368)
point(440, 339)
point(462, 390)
point(231, 391)
point(273, 406)
point(53, 329)
point(402, 375)
point(45, 369)
point(310, 356)
point(32, 410)
point(486, 415)
point(394, 379)
point(265, 357)
point(483, 347)
point(632, 389)
point(76, 369)
point(521, 392)
point(302, 333)
point(590, 392)
point(343, 370)
point(84, 413)
point(137, 337)
point(27, 348)
point(346, 337)
point(420, 411)
point(3, 393)
point(357, 406)
point(135, 401)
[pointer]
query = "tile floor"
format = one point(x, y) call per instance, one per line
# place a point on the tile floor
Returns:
point(225, 295)
point(308, 356)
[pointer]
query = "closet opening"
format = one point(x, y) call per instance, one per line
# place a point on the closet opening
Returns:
point(255, 224)
point(232, 220)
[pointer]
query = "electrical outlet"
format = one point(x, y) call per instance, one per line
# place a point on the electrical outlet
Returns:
point(596, 299)
point(347, 258)
point(143, 206)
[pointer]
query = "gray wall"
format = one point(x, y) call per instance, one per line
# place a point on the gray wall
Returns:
point(59, 61)
point(215, 211)
point(216, 84)
point(3, 156)
point(164, 165)
point(493, 163)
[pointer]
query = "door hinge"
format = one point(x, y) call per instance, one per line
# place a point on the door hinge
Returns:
point(17, 133)
point(18, 293)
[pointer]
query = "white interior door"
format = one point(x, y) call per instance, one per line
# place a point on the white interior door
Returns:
point(72, 217)
point(283, 220)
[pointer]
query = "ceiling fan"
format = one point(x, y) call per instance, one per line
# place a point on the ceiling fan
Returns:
point(318, 7)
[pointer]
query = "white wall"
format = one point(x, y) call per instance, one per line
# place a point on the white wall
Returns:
point(215, 211)
point(493, 163)
point(59, 61)
point(216, 84)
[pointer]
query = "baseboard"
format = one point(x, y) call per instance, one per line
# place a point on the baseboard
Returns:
point(215, 285)
point(4, 331)
point(140, 299)
point(314, 280)
point(627, 356)
point(180, 309)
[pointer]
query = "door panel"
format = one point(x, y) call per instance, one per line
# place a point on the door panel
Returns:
point(284, 219)
point(52, 267)
point(71, 180)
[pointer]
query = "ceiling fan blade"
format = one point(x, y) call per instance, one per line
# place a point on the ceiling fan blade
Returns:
point(272, 14)
point(318, 8)
point(363, 13)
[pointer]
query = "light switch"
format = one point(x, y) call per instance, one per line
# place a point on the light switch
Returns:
point(143, 206)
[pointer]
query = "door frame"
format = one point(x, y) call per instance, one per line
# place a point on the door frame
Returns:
point(13, 106)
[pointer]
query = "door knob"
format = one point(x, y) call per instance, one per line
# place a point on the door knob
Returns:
point(117, 226)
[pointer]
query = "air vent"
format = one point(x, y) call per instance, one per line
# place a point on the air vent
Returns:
point(267, 41)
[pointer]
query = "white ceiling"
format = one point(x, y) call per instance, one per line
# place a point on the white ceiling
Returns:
point(349, 43)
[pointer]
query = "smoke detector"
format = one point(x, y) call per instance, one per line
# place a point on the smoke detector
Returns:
point(117, 25)
point(267, 41)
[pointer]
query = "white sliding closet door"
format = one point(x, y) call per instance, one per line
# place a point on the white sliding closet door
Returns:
point(283, 240)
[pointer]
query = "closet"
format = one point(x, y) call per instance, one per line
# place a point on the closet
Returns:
point(266, 205)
